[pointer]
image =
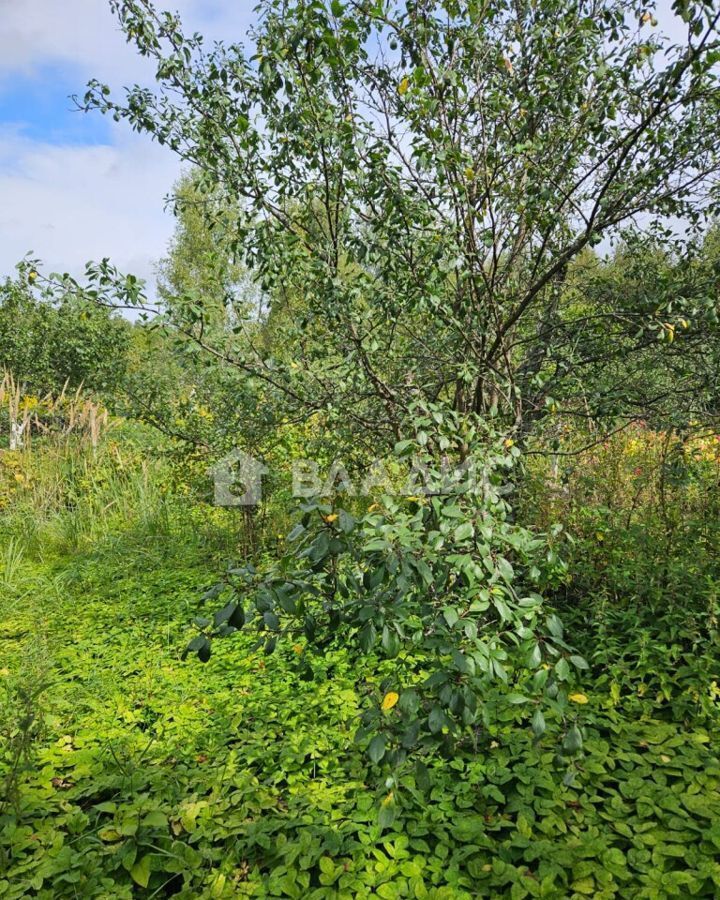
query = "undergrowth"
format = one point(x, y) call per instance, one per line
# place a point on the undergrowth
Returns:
point(129, 773)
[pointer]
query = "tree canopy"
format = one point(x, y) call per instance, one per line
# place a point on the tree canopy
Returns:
point(424, 176)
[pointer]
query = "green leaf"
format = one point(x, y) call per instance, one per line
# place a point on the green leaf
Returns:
point(367, 637)
point(562, 669)
point(225, 614)
point(437, 720)
point(140, 872)
point(555, 626)
point(387, 814)
point(376, 748)
point(538, 723)
point(464, 531)
point(296, 532)
point(573, 740)
point(346, 522)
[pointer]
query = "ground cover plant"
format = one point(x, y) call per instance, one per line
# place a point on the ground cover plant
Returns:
point(128, 772)
point(462, 258)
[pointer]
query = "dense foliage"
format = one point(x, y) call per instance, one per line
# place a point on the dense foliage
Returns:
point(465, 255)
point(127, 772)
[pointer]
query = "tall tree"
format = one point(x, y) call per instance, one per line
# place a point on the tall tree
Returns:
point(424, 173)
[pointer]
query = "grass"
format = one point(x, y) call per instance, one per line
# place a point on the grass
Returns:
point(130, 773)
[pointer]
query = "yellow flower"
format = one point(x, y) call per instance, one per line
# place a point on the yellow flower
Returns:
point(298, 648)
point(578, 698)
point(374, 507)
point(332, 518)
point(390, 700)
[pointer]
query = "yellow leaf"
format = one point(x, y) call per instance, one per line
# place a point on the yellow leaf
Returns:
point(32, 276)
point(578, 698)
point(403, 86)
point(390, 700)
point(508, 65)
point(665, 758)
point(109, 834)
point(469, 173)
point(331, 518)
point(298, 648)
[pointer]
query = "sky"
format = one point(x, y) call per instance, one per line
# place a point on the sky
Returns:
point(76, 186)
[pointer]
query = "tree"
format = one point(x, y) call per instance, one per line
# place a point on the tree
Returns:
point(48, 341)
point(412, 184)
point(425, 173)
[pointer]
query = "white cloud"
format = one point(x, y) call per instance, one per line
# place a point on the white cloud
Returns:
point(85, 35)
point(70, 204)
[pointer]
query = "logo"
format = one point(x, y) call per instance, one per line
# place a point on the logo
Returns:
point(235, 473)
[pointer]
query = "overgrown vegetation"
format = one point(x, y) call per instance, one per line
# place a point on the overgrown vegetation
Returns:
point(129, 772)
point(448, 273)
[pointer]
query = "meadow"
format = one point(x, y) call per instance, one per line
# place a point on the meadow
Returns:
point(128, 772)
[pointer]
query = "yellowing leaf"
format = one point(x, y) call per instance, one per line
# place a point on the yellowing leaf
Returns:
point(109, 834)
point(508, 65)
point(140, 872)
point(390, 699)
point(403, 86)
point(578, 698)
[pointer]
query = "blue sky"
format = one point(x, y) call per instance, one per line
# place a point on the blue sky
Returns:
point(75, 187)
point(37, 104)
